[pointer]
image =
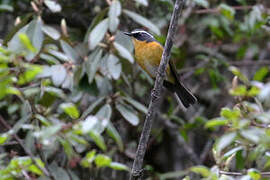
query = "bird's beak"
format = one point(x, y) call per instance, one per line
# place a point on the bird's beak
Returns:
point(127, 33)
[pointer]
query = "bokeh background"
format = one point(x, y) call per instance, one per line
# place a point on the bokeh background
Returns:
point(73, 100)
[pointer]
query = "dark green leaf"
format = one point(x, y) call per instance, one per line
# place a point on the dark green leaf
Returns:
point(136, 104)
point(114, 66)
point(118, 166)
point(123, 52)
point(98, 34)
point(203, 3)
point(92, 64)
point(50, 31)
point(53, 6)
point(128, 113)
point(98, 139)
point(225, 141)
point(35, 34)
point(69, 51)
point(114, 12)
point(142, 20)
point(113, 133)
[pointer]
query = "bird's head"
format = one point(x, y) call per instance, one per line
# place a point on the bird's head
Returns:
point(140, 35)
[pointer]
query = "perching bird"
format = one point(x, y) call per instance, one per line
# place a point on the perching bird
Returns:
point(148, 53)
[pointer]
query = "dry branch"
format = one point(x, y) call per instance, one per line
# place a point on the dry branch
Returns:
point(137, 170)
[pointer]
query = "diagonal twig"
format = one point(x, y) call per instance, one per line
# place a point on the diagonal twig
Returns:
point(155, 95)
point(29, 153)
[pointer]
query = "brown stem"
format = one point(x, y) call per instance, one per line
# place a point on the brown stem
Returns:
point(137, 170)
point(29, 153)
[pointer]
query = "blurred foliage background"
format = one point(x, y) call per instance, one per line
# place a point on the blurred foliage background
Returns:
point(73, 100)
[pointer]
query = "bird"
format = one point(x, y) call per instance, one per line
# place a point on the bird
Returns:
point(148, 53)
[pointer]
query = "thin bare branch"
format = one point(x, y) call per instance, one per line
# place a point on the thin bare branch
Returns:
point(137, 170)
point(263, 174)
point(217, 10)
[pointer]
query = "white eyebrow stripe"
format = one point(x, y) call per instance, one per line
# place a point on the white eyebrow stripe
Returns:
point(141, 31)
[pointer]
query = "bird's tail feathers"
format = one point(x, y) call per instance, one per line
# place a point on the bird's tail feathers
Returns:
point(186, 97)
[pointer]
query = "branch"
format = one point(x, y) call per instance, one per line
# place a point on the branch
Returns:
point(155, 95)
point(29, 153)
point(217, 10)
point(263, 174)
point(251, 63)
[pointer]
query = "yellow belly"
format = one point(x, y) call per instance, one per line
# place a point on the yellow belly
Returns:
point(148, 56)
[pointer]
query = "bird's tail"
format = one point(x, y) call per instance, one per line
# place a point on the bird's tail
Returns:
point(186, 97)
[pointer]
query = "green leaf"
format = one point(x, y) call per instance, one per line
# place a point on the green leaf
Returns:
point(13, 90)
point(203, 3)
point(253, 91)
point(92, 64)
point(34, 169)
point(55, 92)
point(114, 66)
point(3, 138)
point(67, 147)
point(123, 52)
point(51, 32)
point(230, 114)
point(48, 132)
point(216, 122)
point(114, 12)
point(31, 72)
point(254, 174)
point(92, 107)
point(102, 160)
point(143, 21)
point(35, 34)
point(171, 175)
point(105, 112)
point(252, 134)
point(118, 166)
point(204, 171)
point(53, 6)
point(88, 159)
point(58, 172)
point(237, 73)
point(240, 90)
point(26, 42)
point(227, 11)
point(142, 2)
point(71, 110)
point(69, 51)
point(99, 17)
point(128, 113)
point(225, 141)
point(6, 7)
point(232, 151)
point(98, 34)
point(98, 139)
point(136, 104)
point(113, 133)
point(261, 74)
point(59, 55)
point(42, 119)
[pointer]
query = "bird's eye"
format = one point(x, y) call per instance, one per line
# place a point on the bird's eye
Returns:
point(138, 34)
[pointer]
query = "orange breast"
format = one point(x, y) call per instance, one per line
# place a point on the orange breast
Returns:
point(148, 56)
